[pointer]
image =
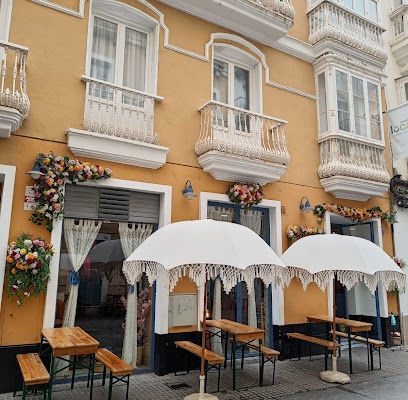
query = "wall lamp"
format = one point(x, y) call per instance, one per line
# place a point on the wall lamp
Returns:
point(188, 191)
point(306, 205)
point(35, 172)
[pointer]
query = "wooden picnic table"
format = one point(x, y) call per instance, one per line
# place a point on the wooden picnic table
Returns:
point(240, 333)
point(65, 342)
point(352, 326)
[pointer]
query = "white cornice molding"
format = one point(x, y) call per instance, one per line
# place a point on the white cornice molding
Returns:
point(76, 13)
point(344, 187)
point(229, 167)
point(108, 148)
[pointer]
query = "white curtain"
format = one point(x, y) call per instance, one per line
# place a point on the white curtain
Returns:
point(218, 214)
point(131, 236)
point(216, 314)
point(134, 69)
point(252, 220)
point(79, 238)
point(103, 61)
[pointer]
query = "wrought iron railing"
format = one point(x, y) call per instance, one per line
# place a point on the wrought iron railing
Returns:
point(341, 156)
point(121, 112)
point(329, 21)
point(13, 77)
point(241, 132)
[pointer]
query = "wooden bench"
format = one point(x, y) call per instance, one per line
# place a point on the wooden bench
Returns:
point(267, 354)
point(327, 344)
point(120, 371)
point(211, 359)
point(35, 375)
point(372, 344)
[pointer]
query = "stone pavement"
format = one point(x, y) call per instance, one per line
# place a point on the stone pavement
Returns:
point(291, 377)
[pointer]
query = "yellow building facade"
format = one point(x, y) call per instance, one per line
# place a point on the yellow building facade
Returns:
point(166, 94)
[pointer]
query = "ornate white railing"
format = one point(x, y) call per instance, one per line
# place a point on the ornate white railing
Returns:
point(244, 133)
point(283, 7)
point(330, 21)
point(400, 22)
point(13, 77)
point(344, 157)
point(121, 112)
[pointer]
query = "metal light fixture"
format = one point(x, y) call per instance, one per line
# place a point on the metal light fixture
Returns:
point(306, 205)
point(188, 191)
point(35, 172)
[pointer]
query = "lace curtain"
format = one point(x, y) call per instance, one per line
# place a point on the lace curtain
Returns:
point(228, 215)
point(79, 238)
point(252, 220)
point(131, 236)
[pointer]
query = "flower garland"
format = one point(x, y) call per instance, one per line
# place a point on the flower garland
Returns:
point(245, 195)
point(355, 214)
point(27, 267)
point(297, 232)
point(400, 262)
point(48, 190)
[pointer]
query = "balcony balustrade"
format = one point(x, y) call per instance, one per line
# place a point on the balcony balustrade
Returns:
point(14, 102)
point(237, 144)
point(399, 46)
point(336, 28)
point(118, 126)
point(351, 169)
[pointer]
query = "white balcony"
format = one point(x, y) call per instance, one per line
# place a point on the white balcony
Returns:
point(14, 102)
point(118, 126)
point(240, 145)
point(399, 46)
point(336, 29)
point(352, 169)
point(265, 21)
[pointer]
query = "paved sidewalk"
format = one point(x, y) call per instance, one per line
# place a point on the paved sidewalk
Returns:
point(291, 377)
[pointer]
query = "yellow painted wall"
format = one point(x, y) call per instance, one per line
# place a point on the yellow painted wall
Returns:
point(55, 65)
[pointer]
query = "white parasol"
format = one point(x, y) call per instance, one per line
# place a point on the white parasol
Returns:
point(203, 250)
point(352, 259)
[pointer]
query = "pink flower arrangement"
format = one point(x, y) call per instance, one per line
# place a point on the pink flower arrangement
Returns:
point(245, 195)
point(143, 309)
point(27, 267)
point(297, 232)
point(49, 196)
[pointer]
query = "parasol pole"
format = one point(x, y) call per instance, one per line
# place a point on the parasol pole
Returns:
point(334, 376)
point(202, 394)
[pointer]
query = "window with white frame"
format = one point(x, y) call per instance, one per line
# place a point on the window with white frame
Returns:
point(357, 104)
point(367, 8)
point(236, 79)
point(5, 17)
point(122, 70)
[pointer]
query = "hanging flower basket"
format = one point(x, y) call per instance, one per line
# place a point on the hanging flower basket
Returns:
point(297, 232)
point(245, 195)
point(27, 267)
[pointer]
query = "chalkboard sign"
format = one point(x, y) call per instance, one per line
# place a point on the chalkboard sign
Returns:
point(182, 310)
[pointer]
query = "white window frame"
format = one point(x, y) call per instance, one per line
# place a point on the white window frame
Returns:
point(366, 9)
point(7, 178)
point(402, 89)
point(275, 223)
point(5, 18)
point(331, 103)
point(162, 299)
point(233, 55)
point(125, 15)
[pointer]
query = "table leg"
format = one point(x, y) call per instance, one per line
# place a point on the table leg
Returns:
point(226, 349)
point(92, 374)
point(261, 363)
point(233, 363)
point(369, 354)
point(52, 366)
point(350, 356)
point(74, 371)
